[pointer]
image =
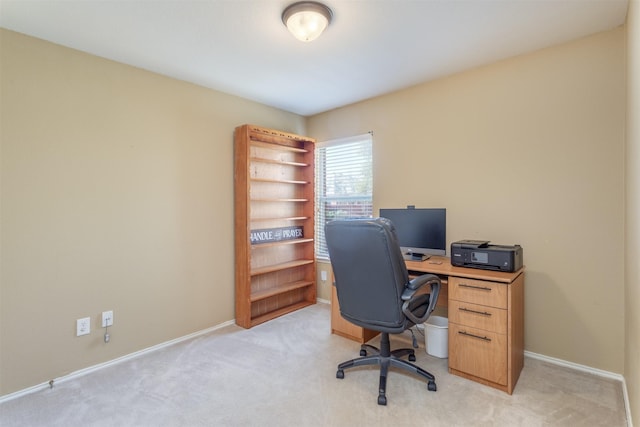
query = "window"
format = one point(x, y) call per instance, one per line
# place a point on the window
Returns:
point(344, 183)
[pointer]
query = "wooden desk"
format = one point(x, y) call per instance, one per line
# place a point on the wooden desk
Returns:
point(486, 321)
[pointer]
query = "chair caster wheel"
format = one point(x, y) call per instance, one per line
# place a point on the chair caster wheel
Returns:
point(432, 386)
point(412, 358)
point(363, 353)
point(382, 400)
point(340, 374)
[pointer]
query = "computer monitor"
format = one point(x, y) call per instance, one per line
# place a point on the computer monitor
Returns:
point(421, 232)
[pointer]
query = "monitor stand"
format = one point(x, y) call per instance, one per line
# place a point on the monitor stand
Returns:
point(414, 256)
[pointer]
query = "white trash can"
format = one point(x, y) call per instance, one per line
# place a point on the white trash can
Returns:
point(437, 336)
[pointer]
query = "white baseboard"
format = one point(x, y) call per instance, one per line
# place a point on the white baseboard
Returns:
point(588, 369)
point(112, 362)
point(151, 349)
point(124, 358)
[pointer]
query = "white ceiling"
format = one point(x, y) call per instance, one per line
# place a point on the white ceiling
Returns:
point(372, 47)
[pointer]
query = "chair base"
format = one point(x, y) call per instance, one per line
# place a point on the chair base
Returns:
point(386, 358)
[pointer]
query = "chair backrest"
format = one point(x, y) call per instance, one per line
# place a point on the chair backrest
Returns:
point(369, 271)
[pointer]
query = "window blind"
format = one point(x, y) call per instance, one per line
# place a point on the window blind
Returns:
point(344, 183)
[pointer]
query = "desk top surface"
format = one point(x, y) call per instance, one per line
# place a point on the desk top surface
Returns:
point(442, 266)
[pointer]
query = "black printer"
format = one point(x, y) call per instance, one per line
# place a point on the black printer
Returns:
point(480, 254)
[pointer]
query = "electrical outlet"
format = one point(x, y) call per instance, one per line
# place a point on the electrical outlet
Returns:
point(107, 318)
point(83, 326)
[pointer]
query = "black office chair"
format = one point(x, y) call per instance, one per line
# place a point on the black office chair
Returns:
point(374, 292)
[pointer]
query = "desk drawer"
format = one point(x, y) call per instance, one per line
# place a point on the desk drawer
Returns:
point(480, 292)
point(478, 316)
point(479, 353)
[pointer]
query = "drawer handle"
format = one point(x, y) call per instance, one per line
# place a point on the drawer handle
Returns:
point(481, 288)
point(483, 313)
point(474, 336)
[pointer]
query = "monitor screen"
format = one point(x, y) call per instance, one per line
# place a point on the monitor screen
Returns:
point(420, 231)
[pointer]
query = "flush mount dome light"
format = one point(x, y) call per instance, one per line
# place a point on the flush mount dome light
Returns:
point(306, 20)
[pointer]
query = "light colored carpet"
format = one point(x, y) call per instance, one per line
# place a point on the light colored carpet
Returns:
point(282, 373)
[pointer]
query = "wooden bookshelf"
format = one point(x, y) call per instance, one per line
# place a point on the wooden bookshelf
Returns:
point(274, 193)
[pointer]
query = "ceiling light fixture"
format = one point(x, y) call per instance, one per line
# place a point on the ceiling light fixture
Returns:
point(306, 20)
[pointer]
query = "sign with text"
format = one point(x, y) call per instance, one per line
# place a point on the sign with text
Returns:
point(269, 235)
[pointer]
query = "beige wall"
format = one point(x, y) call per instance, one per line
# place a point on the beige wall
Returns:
point(117, 194)
point(529, 151)
point(632, 278)
point(324, 286)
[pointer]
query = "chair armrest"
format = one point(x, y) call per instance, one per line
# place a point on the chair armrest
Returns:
point(410, 291)
point(417, 283)
point(420, 281)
